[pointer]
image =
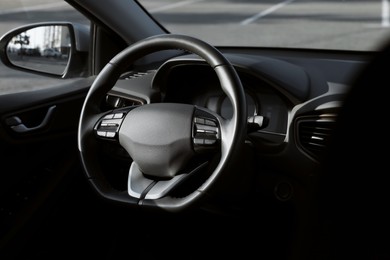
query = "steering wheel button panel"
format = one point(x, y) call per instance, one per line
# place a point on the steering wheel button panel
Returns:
point(206, 134)
point(108, 126)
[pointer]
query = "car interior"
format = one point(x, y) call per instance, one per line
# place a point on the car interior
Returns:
point(153, 144)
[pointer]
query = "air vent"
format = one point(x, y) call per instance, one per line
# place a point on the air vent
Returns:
point(314, 133)
point(117, 102)
point(134, 74)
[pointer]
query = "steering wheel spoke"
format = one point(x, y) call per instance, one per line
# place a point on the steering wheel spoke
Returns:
point(143, 187)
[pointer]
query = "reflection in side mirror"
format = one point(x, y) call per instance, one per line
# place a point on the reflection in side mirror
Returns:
point(45, 48)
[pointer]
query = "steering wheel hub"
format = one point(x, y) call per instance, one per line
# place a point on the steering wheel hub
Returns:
point(158, 138)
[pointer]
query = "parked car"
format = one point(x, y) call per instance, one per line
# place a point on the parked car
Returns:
point(50, 52)
point(196, 129)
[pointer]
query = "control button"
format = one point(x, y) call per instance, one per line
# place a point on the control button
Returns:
point(199, 120)
point(198, 141)
point(118, 115)
point(101, 133)
point(111, 122)
point(111, 134)
point(210, 141)
point(206, 129)
point(109, 116)
point(210, 122)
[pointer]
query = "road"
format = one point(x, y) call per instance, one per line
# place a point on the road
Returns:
point(331, 24)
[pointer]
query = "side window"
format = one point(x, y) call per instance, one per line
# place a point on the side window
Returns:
point(14, 14)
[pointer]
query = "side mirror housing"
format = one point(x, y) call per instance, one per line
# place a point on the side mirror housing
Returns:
point(57, 49)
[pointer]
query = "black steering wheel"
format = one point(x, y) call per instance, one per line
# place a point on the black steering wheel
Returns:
point(162, 138)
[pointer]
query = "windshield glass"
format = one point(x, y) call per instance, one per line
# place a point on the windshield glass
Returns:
point(315, 24)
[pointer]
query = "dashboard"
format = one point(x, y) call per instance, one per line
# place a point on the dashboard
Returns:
point(197, 84)
point(298, 98)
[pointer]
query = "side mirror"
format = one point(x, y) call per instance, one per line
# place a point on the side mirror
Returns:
point(52, 49)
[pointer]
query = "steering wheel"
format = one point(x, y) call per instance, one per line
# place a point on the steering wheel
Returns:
point(162, 138)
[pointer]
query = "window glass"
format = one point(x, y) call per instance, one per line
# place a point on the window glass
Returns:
point(315, 24)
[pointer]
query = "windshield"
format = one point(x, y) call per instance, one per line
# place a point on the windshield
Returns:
point(315, 24)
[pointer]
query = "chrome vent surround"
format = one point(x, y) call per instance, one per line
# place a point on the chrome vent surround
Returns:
point(314, 133)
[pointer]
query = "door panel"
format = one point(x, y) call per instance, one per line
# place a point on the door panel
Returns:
point(36, 163)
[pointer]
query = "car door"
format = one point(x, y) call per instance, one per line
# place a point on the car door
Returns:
point(38, 124)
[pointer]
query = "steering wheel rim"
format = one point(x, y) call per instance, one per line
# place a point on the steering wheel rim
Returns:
point(232, 131)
